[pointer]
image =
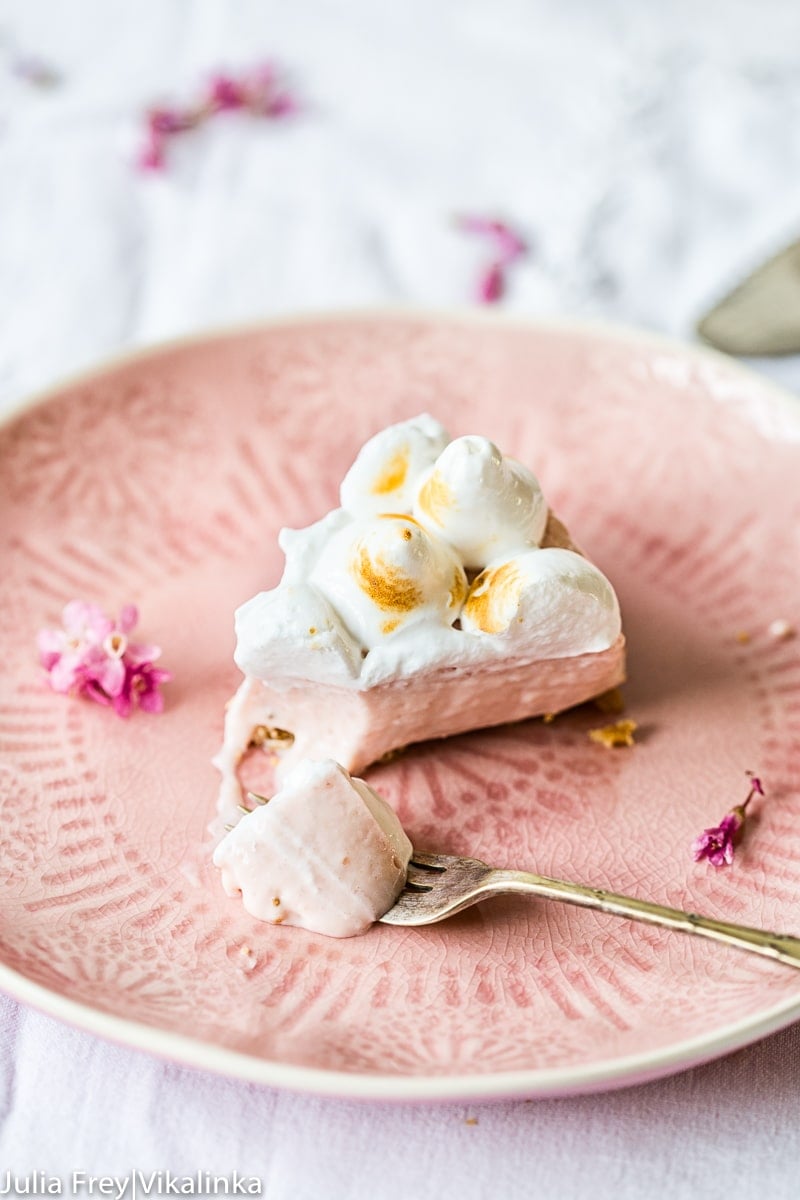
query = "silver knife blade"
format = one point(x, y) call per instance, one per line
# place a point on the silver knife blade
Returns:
point(762, 315)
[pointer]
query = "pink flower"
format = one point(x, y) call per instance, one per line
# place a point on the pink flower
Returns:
point(718, 843)
point(92, 656)
point(506, 245)
point(258, 91)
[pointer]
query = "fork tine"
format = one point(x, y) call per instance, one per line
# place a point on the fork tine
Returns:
point(422, 877)
point(429, 862)
point(437, 885)
point(257, 799)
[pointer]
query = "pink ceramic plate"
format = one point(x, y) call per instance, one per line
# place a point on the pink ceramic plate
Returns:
point(164, 479)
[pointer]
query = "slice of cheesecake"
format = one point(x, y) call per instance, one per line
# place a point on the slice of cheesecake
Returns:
point(442, 596)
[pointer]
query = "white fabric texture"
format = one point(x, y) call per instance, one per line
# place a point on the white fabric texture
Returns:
point(650, 155)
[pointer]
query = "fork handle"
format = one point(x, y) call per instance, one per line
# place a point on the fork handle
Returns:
point(780, 946)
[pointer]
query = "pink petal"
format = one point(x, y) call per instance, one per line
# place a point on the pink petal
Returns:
point(151, 701)
point(226, 93)
point(81, 619)
point(51, 644)
point(66, 673)
point(162, 122)
point(475, 224)
point(110, 675)
point(491, 284)
point(263, 77)
point(282, 105)
point(122, 705)
point(139, 653)
point(509, 244)
point(76, 616)
point(152, 156)
point(93, 691)
point(128, 618)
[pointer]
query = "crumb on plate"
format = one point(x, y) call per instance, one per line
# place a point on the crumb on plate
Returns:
point(619, 734)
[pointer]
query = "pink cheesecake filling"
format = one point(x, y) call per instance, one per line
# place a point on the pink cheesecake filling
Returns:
point(326, 853)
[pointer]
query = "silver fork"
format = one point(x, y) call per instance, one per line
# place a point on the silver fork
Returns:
point(439, 885)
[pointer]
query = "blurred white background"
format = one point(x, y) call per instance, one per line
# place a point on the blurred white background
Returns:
point(650, 154)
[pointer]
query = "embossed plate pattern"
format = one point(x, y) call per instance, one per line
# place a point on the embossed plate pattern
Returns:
point(164, 479)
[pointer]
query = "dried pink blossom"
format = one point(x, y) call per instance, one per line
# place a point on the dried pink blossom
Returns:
point(92, 656)
point(506, 245)
point(717, 844)
point(259, 91)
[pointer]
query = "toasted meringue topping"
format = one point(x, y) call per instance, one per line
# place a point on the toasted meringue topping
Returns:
point(483, 504)
point(383, 574)
point(386, 471)
point(375, 589)
point(550, 600)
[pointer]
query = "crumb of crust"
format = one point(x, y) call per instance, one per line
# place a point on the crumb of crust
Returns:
point(742, 636)
point(548, 718)
point(470, 1120)
point(611, 702)
point(619, 734)
point(780, 630)
point(267, 733)
point(391, 755)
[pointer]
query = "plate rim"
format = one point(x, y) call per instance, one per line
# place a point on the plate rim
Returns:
point(606, 1074)
point(578, 1079)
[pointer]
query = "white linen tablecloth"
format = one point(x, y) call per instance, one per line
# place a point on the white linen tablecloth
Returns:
point(650, 155)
